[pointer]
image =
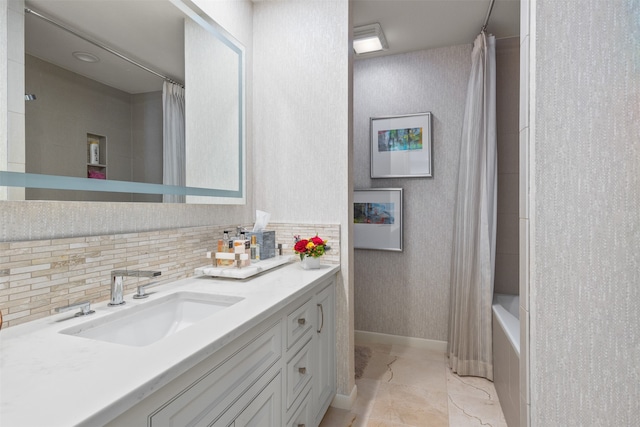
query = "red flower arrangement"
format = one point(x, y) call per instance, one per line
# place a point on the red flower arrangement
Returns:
point(314, 247)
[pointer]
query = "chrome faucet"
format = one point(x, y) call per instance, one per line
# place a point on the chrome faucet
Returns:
point(117, 283)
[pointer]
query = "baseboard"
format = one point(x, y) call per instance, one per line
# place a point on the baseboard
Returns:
point(342, 401)
point(378, 338)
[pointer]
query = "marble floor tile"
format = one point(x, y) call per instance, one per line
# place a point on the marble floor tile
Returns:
point(417, 353)
point(367, 390)
point(423, 373)
point(404, 404)
point(471, 386)
point(411, 387)
point(341, 418)
point(378, 367)
point(465, 410)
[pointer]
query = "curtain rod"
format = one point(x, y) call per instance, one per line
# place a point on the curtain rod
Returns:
point(101, 46)
point(486, 20)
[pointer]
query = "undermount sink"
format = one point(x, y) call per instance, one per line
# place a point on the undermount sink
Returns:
point(152, 321)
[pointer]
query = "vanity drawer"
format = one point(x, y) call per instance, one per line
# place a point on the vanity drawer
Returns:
point(299, 322)
point(298, 372)
point(303, 415)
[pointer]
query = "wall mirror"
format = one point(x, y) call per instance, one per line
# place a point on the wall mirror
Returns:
point(94, 131)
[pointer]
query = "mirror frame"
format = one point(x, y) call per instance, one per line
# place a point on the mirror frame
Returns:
point(237, 196)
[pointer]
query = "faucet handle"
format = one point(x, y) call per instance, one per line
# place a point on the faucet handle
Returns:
point(141, 290)
point(84, 306)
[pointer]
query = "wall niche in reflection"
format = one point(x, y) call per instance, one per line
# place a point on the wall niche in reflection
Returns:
point(69, 106)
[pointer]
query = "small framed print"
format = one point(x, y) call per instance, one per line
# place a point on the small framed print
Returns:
point(377, 218)
point(401, 146)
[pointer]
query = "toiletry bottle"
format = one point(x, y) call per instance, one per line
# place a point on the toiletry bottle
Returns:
point(247, 243)
point(255, 249)
point(225, 237)
point(221, 248)
point(226, 247)
point(240, 247)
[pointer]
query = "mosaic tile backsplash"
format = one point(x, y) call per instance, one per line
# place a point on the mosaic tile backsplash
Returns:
point(39, 275)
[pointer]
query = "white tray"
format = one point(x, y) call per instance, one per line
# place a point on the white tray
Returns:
point(245, 272)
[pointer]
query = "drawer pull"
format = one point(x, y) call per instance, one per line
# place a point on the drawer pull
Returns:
point(301, 321)
point(321, 317)
point(302, 370)
point(301, 425)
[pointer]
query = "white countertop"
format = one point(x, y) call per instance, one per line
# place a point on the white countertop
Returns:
point(52, 379)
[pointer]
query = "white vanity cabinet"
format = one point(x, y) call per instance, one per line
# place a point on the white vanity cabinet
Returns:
point(325, 372)
point(280, 373)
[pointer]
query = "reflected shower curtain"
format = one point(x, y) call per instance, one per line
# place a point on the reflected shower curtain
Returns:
point(173, 140)
point(474, 229)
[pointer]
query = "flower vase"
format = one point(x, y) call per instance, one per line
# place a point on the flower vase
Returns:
point(310, 263)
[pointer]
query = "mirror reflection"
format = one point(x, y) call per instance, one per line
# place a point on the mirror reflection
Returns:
point(100, 118)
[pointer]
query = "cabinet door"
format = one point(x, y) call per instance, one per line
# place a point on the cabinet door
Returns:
point(206, 399)
point(325, 380)
point(266, 409)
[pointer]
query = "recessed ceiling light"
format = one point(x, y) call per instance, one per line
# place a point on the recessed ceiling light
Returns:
point(85, 57)
point(369, 38)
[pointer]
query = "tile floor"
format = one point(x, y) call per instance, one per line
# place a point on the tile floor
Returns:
point(411, 387)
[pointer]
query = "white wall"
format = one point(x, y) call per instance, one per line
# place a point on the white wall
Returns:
point(302, 113)
point(585, 213)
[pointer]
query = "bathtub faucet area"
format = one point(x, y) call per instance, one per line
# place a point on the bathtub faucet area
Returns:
point(117, 283)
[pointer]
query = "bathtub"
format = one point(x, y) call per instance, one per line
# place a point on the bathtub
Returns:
point(506, 355)
point(506, 309)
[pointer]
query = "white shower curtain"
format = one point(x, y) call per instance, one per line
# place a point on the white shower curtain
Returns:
point(474, 230)
point(173, 140)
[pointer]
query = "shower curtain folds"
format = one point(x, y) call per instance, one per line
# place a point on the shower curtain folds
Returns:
point(173, 140)
point(474, 234)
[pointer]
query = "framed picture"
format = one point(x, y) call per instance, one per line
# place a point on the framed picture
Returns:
point(401, 146)
point(377, 219)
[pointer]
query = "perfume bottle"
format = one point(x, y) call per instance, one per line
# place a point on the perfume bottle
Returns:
point(255, 249)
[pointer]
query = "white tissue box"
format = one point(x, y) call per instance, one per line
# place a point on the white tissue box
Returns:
point(267, 241)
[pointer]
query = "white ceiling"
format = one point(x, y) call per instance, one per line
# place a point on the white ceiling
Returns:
point(151, 32)
point(411, 25)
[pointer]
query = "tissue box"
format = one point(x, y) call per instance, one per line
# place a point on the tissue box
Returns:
point(266, 240)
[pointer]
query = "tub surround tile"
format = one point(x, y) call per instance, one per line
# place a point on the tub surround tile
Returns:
point(524, 356)
point(507, 233)
point(508, 200)
point(508, 153)
point(506, 274)
point(523, 264)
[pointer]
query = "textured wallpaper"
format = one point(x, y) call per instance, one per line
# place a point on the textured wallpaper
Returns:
point(3, 88)
point(301, 131)
point(585, 277)
point(407, 293)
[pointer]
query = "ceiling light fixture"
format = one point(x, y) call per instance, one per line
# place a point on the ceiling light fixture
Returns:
point(85, 57)
point(369, 38)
